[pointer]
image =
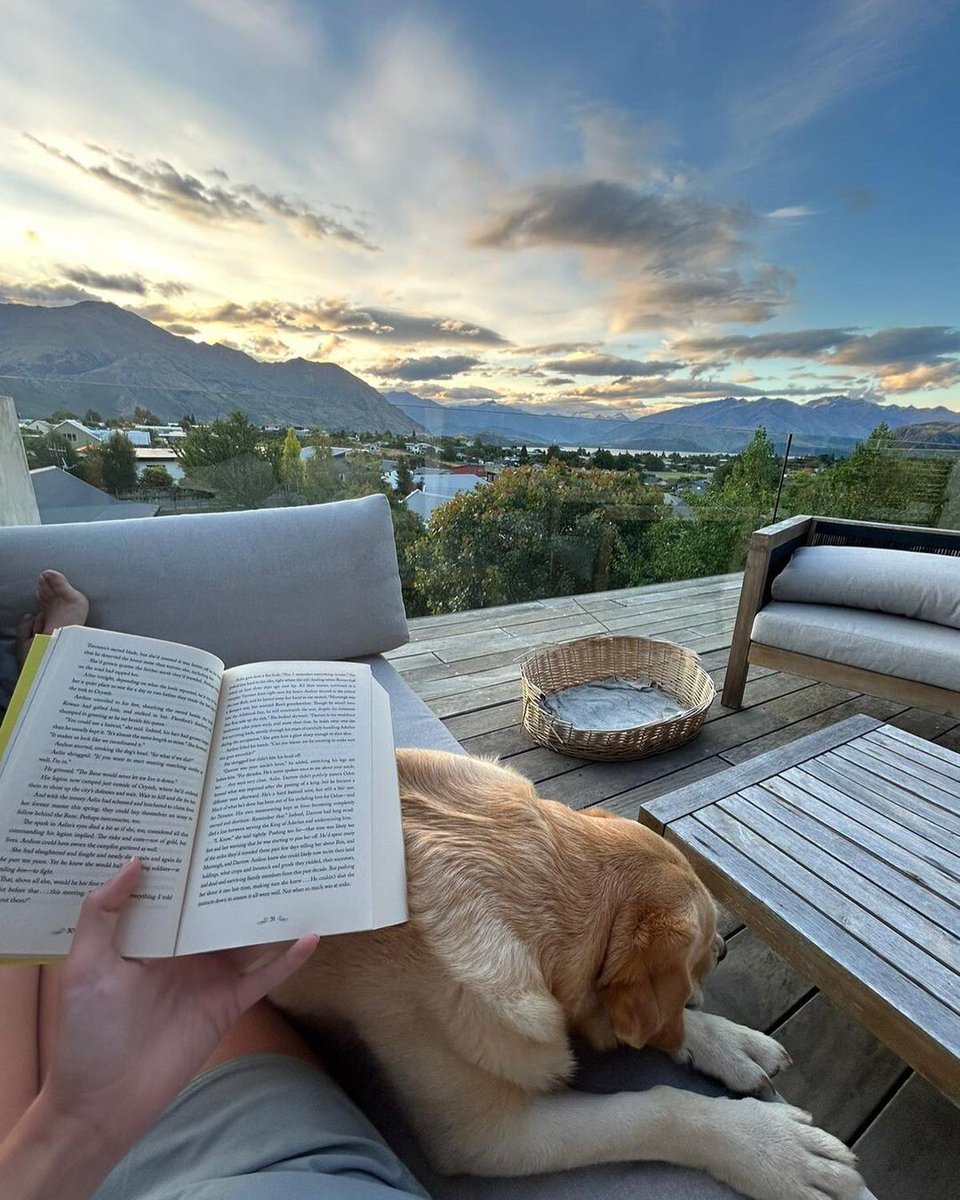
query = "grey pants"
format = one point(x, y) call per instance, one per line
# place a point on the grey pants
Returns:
point(268, 1127)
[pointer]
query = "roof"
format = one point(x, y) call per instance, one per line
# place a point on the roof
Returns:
point(64, 500)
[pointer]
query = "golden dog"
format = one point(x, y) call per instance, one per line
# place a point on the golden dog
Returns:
point(528, 922)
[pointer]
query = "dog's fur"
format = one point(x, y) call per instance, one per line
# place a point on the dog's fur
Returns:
point(528, 922)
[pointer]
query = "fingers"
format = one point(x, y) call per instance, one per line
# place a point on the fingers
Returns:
point(100, 912)
point(255, 985)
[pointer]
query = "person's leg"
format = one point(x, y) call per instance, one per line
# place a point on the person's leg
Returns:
point(19, 1065)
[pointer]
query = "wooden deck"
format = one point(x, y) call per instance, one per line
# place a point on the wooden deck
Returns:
point(466, 667)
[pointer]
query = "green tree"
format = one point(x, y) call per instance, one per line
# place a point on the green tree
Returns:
point(187, 421)
point(531, 534)
point(156, 478)
point(523, 458)
point(118, 462)
point(144, 416)
point(877, 482)
point(92, 417)
point(291, 465)
point(603, 459)
point(404, 479)
point(51, 451)
point(62, 414)
point(221, 440)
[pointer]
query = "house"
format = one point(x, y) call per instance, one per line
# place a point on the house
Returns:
point(64, 500)
point(36, 428)
point(78, 434)
point(434, 488)
point(158, 456)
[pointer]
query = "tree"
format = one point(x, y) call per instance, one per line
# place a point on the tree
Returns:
point(62, 414)
point(531, 534)
point(92, 417)
point(523, 458)
point(143, 416)
point(221, 440)
point(118, 463)
point(405, 482)
point(291, 466)
point(156, 478)
point(877, 482)
point(51, 451)
point(186, 421)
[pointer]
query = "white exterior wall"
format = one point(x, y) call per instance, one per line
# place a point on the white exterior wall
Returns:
point(18, 505)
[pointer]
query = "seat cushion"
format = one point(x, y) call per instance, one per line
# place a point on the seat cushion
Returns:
point(872, 641)
point(413, 723)
point(905, 583)
point(315, 582)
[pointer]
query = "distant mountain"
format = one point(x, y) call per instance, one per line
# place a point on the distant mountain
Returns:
point(504, 423)
point(829, 423)
point(96, 355)
point(933, 434)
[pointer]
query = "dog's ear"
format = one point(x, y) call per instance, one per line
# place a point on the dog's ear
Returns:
point(647, 983)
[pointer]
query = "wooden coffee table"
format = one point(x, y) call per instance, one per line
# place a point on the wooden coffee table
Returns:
point(842, 849)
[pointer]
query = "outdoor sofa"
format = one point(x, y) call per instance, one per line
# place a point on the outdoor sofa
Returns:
point(870, 607)
point(317, 582)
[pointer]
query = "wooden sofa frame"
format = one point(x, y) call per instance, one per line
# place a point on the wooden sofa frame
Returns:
point(770, 551)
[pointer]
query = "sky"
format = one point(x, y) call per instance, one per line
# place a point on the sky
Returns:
point(591, 207)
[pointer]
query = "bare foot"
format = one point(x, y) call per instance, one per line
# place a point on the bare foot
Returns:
point(59, 603)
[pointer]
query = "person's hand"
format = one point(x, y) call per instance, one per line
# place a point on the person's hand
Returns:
point(132, 1032)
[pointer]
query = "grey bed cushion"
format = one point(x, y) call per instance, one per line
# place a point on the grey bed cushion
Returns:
point(872, 641)
point(904, 583)
point(315, 582)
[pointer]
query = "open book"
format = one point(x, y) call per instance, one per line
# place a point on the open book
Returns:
point(263, 799)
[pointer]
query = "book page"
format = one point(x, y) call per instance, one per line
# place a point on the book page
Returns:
point(389, 875)
point(106, 761)
point(283, 842)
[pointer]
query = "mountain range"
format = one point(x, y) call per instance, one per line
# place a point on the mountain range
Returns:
point(829, 423)
point(97, 355)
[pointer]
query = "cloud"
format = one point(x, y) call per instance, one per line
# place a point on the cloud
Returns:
point(611, 364)
point(793, 212)
point(216, 199)
point(903, 359)
point(433, 367)
point(668, 299)
point(134, 283)
point(555, 348)
point(470, 393)
point(264, 346)
point(334, 315)
point(799, 343)
point(919, 344)
point(181, 329)
point(611, 215)
point(672, 259)
point(44, 291)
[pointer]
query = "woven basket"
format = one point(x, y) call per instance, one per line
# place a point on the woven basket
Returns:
point(673, 668)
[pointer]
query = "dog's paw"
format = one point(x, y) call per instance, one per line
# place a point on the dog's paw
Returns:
point(743, 1059)
point(773, 1152)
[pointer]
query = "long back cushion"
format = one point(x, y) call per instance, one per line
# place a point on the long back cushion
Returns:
point(905, 583)
point(317, 582)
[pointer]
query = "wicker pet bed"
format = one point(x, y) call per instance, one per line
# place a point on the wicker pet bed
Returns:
point(673, 669)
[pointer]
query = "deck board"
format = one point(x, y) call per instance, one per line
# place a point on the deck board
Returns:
point(466, 666)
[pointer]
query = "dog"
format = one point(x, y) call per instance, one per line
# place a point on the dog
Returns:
point(529, 923)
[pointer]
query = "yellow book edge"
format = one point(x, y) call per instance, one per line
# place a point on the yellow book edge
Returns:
point(28, 674)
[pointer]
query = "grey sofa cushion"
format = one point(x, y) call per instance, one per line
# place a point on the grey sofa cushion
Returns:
point(317, 582)
point(905, 583)
point(413, 723)
point(873, 641)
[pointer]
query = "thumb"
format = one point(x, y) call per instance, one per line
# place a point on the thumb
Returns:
point(100, 911)
point(253, 987)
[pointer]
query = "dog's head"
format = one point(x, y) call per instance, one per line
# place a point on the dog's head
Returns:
point(662, 941)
